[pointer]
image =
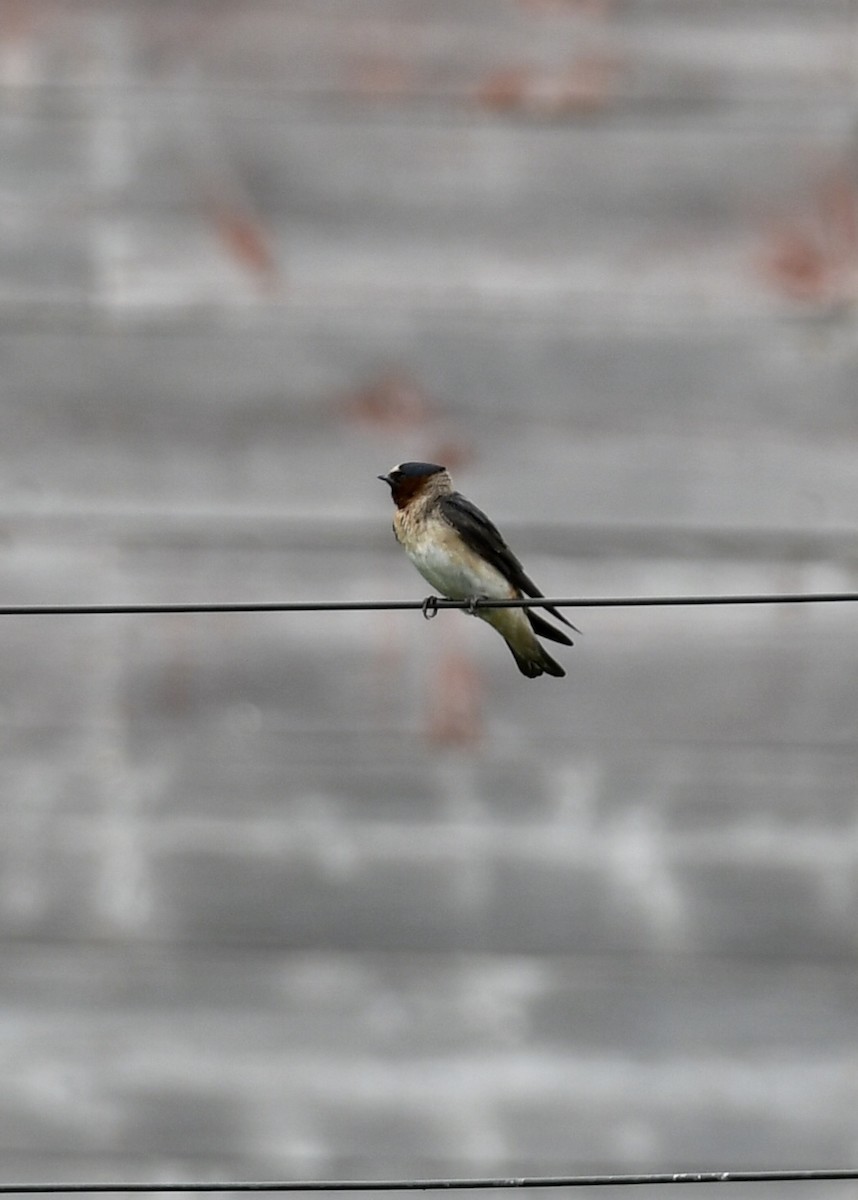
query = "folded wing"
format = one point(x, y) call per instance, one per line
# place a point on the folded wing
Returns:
point(478, 532)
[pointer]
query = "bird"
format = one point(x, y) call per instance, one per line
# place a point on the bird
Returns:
point(458, 550)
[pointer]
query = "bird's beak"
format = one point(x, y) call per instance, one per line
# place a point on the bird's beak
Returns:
point(385, 479)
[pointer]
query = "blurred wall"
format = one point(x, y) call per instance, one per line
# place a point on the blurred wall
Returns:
point(331, 894)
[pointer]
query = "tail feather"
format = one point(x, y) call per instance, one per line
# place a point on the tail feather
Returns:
point(539, 662)
point(530, 588)
point(555, 612)
point(519, 631)
point(540, 625)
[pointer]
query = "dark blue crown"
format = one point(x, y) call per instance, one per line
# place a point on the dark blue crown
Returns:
point(417, 470)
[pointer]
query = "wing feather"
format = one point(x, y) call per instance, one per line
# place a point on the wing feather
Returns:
point(478, 533)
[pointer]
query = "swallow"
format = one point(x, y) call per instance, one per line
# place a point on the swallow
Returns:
point(457, 549)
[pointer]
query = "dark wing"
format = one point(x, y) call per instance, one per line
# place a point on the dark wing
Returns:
point(478, 532)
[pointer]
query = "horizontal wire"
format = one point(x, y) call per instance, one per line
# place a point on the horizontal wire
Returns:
point(436, 1185)
point(429, 605)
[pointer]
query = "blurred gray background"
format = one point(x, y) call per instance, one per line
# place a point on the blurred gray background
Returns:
point(344, 894)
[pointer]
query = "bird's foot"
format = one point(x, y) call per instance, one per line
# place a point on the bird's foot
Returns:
point(429, 608)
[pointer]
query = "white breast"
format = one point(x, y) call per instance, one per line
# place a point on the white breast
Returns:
point(455, 571)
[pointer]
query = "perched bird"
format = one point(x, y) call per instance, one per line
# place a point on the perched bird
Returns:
point(460, 552)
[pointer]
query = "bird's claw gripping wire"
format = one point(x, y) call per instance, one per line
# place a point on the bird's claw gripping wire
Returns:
point(429, 608)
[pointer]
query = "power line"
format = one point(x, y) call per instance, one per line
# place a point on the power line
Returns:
point(429, 606)
point(437, 1185)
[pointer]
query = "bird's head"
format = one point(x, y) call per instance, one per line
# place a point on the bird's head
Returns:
point(412, 479)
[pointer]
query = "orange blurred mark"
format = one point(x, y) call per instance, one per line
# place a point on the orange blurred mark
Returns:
point(796, 264)
point(21, 26)
point(814, 258)
point(393, 401)
point(18, 18)
point(456, 702)
point(588, 85)
point(451, 454)
point(838, 202)
point(247, 241)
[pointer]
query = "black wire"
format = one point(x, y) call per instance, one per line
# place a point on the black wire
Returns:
point(44, 610)
point(437, 1185)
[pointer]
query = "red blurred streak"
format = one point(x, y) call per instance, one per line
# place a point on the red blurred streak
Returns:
point(587, 85)
point(247, 241)
point(395, 400)
point(838, 203)
point(452, 454)
point(455, 703)
point(814, 257)
point(21, 19)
